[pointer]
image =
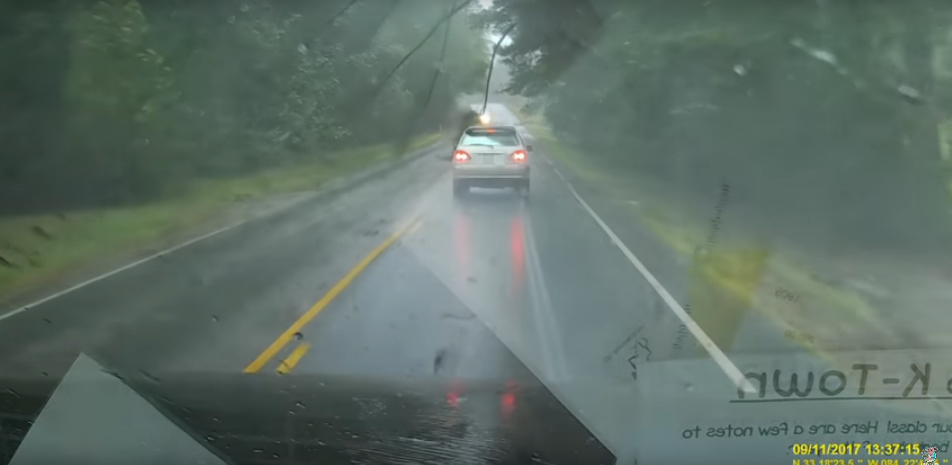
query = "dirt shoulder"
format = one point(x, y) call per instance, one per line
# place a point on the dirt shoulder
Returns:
point(45, 253)
point(731, 267)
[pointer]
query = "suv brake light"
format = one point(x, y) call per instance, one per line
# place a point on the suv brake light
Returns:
point(520, 156)
point(460, 156)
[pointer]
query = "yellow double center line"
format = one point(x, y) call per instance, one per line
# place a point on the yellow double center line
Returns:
point(289, 363)
point(306, 318)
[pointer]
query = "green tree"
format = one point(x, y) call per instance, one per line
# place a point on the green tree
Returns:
point(821, 115)
point(112, 101)
point(117, 92)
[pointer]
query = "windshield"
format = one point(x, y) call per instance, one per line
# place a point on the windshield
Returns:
point(726, 236)
point(490, 137)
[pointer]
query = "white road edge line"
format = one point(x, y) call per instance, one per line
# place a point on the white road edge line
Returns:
point(558, 373)
point(731, 370)
point(120, 269)
point(553, 348)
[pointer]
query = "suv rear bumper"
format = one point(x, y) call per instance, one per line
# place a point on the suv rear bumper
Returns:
point(488, 173)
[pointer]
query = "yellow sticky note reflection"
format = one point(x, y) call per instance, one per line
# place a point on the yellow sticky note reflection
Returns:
point(722, 285)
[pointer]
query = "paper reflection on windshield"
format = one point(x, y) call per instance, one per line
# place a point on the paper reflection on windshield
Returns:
point(884, 405)
point(93, 417)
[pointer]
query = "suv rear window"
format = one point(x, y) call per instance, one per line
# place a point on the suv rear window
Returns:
point(490, 136)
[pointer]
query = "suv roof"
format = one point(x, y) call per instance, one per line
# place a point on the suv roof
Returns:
point(509, 127)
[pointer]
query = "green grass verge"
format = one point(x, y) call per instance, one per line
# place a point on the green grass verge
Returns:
point(31, 258)
point(736, 277)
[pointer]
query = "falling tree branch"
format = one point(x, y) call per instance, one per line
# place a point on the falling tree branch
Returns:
point(419, 46)
point(340, 13)
point(405, 139)
point(492, 61)
point(439, 68)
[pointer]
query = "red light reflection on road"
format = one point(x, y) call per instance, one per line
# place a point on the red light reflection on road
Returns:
point(454, 393)
point(517, 249)
point(452, 398)
point(461, 243)
point(508, 400)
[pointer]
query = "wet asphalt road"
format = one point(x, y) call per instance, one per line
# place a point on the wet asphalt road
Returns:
point(490, 287)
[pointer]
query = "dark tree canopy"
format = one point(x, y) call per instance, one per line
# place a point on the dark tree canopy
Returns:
point(821, 115)
point(112, 101)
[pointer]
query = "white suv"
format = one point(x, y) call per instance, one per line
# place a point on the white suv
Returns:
point(493, 156)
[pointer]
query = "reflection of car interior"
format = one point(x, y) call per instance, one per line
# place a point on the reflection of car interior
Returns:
point(98, 417)
point(493, 156)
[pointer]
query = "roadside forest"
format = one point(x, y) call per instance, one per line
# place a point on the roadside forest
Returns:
point(828, 119)
point(117, 102)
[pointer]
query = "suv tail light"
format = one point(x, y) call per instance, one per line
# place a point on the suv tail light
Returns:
point(520, 156)
point(460, 156)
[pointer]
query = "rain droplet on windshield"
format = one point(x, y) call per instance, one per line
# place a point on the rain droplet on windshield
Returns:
point(300, 405)
point(298, 336)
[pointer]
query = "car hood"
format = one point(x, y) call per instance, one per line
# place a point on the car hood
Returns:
point(243, 418)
